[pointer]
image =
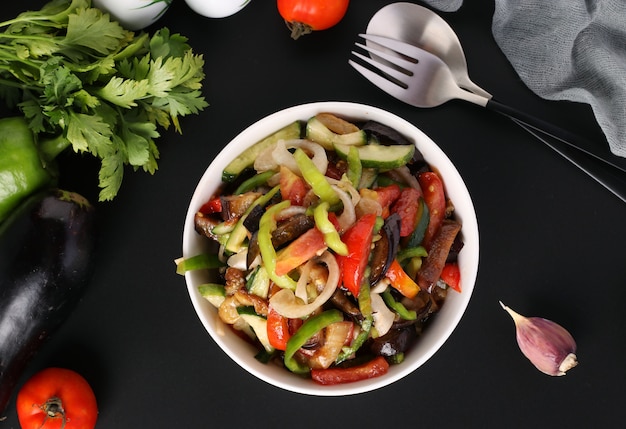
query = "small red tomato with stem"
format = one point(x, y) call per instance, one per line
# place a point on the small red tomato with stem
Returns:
point(56, 398)
point(304, 16)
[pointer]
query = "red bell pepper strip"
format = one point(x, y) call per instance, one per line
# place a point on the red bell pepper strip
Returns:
point(452, 275)
point(374, 368)
point(211, 206)
point(401, 281)
point(435, 198)
point(358, 239)
point(407, 206)
point(277, 330)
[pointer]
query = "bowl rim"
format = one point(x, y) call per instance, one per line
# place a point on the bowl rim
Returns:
point(468, 257)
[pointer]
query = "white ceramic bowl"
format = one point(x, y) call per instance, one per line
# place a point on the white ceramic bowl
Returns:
point(436, 333)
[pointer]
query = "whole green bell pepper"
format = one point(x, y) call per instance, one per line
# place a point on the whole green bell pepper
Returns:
point(22, 170)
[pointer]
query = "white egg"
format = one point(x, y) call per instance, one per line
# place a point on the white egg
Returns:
point(217, 8)
point(134, 14)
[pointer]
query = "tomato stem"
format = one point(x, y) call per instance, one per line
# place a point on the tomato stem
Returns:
point(53, 409)
point(298, 29)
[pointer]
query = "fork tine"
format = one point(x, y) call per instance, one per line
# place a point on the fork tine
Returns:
point(393, 59)
point(390, 71)
point(403, 48)
point(381, 82)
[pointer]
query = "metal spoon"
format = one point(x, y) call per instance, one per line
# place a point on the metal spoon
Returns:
point(422, 27)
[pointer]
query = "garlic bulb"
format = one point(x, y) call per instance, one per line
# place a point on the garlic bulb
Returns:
point(545, 343)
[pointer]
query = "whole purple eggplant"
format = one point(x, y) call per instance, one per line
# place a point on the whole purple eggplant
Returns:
point(46, 260)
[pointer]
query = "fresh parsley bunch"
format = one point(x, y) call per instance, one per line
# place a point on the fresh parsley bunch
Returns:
point(82, 80)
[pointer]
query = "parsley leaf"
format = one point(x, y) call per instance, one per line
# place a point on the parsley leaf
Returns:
point(85, 82)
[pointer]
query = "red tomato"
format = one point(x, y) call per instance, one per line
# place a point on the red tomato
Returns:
point(292, 186)
point(452, 275)
point(435, 199)
point(358, 238)
point(304, 16)
point(406, 206)
point(56, 398)
point(374, 368)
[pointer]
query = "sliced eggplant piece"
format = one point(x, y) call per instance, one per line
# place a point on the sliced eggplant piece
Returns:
point(234, 206)
point(394, 342)
point(429, 273)
point(385, 249)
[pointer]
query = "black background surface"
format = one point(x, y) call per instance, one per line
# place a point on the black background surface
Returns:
point(551, 245)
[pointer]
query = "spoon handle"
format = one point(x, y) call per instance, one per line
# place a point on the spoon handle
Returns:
point(611, 178)
point(601, 153)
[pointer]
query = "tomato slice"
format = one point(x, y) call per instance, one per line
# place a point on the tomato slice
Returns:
point(435, 198)
point(387, 195)
point(452, 275)
point(374, 368)
point(55, 398)
point(358, 238)
point(407, 206)
point(292, 186)
point(299, 251)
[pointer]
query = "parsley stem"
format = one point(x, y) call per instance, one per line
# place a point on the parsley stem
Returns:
point(13, 84)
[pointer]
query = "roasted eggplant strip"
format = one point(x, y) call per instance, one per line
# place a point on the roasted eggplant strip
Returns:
point(429, 273)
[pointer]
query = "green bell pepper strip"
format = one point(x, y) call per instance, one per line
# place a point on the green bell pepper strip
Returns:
point(396, 306)
point(355, 168)
point(365, 305)
point(198, 262)
point(266, 225)
point(310, 327)
point(411, 252)
point(254, 182)
point(238, 235)
point(22, 169)
point(326, 227)
point(315, 178)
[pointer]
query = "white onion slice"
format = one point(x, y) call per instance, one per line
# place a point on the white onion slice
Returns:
point(239, 260)
point(403, 174)
point(383, 316)
point(286, 303)
point(277, 155)
point(347, 217)
point(305, 272)
point(289, 212)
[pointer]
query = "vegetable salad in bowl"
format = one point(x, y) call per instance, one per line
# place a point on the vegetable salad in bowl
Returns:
point(330, 248)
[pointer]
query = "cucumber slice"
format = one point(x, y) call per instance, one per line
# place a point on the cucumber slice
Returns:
point(213, 292)
point(319, 133)
point(259, 326)
point(259, 282)
point(379, 156)
point(246, 159)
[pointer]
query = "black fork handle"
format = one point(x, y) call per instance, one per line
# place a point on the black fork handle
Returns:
point(613, 179)
point(600, 152)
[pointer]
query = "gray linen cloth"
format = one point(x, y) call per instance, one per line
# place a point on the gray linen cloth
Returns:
point(567, 50)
